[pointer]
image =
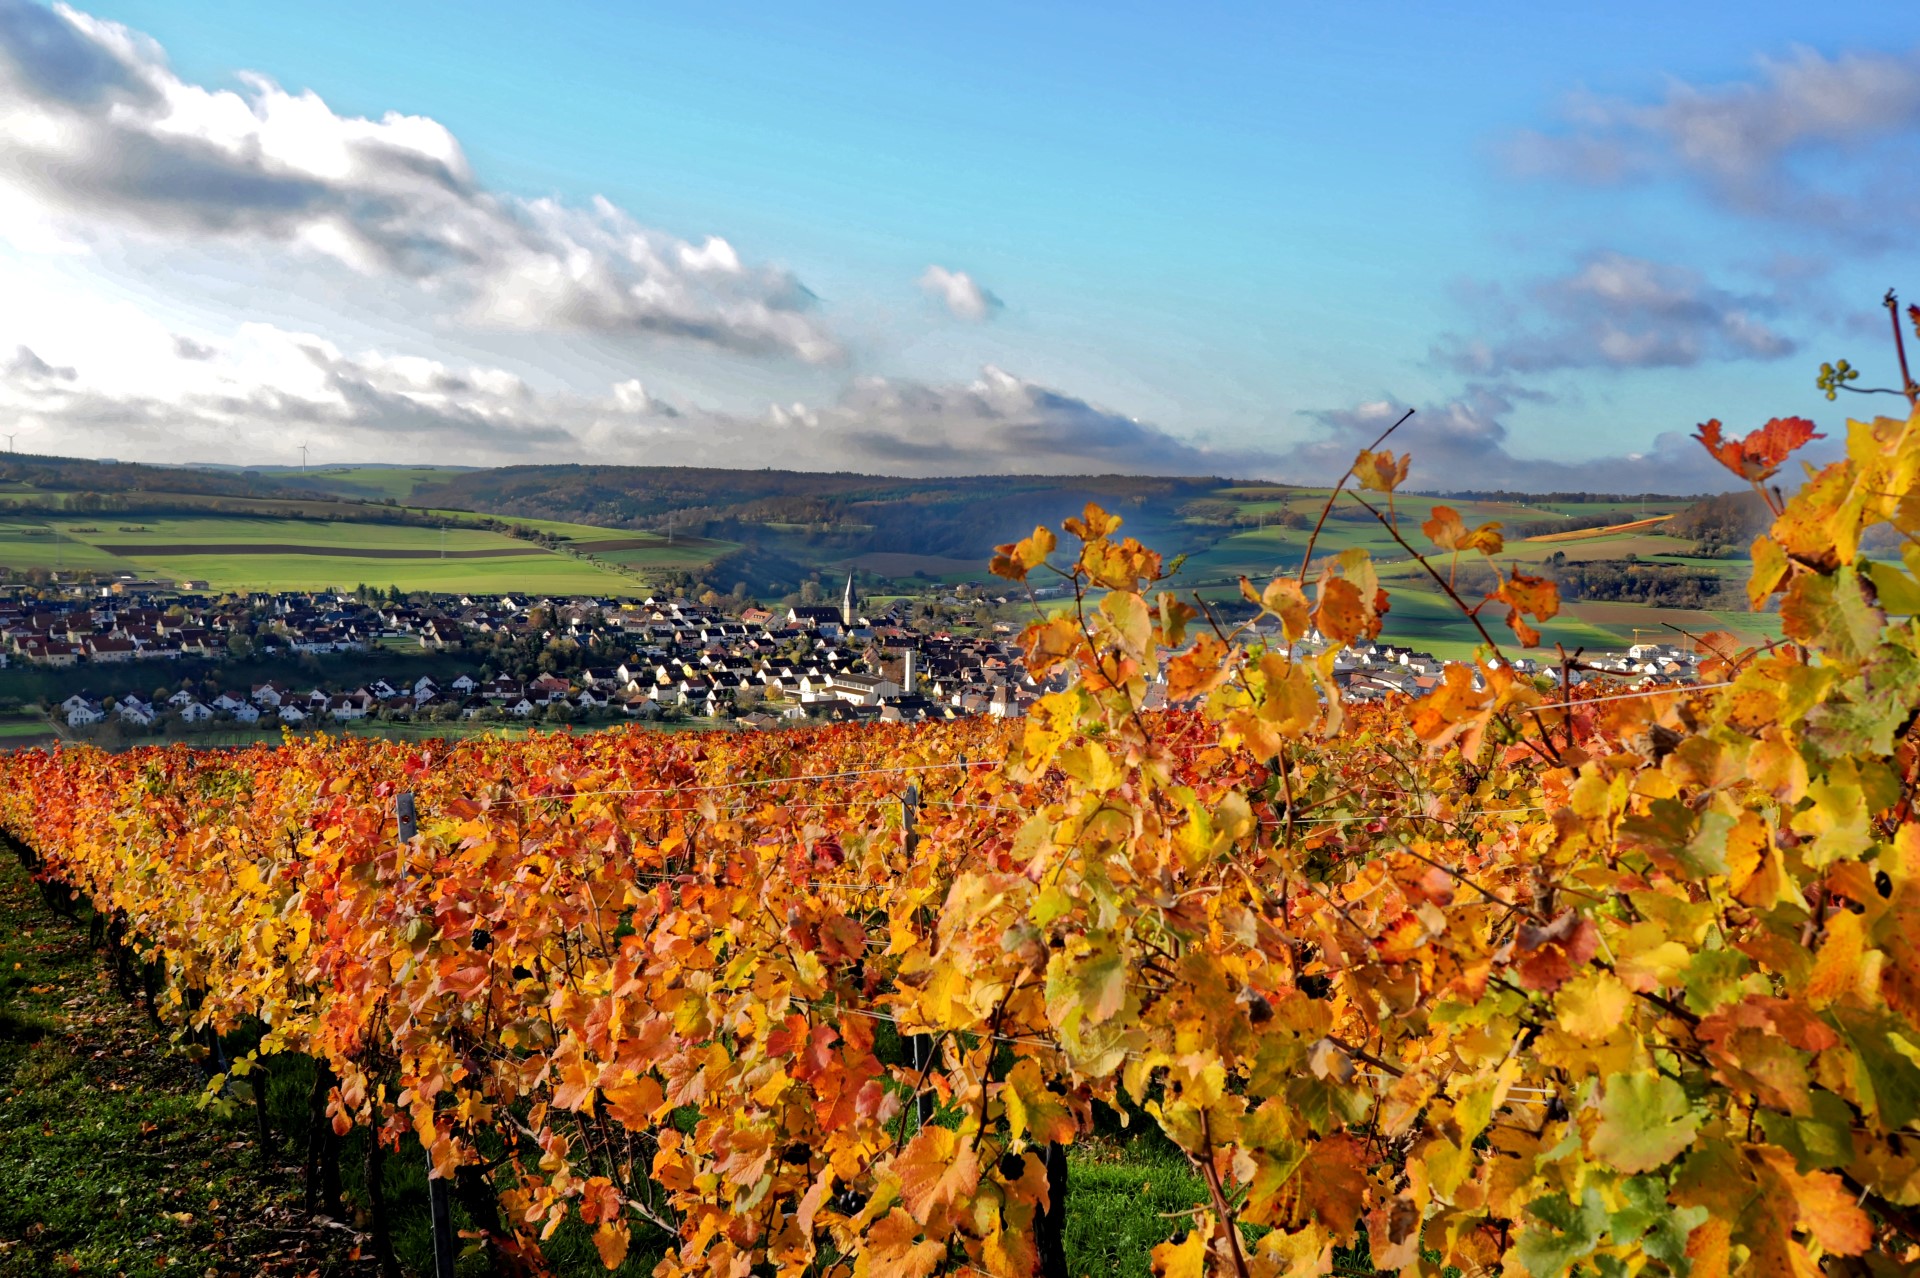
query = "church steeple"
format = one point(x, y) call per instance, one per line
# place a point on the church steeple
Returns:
point(846, 604)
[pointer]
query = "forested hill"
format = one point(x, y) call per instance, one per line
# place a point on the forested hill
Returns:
point(955, 517)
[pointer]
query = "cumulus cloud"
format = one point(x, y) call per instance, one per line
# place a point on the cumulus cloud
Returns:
point(1463, 444)
point(101, 132)
point(27, 367)
point(261, 386)
point(1617, 311)
point(1808, 141)
point(242, 400)
point(960, 293)
point(1000, 423)
point(244, 393)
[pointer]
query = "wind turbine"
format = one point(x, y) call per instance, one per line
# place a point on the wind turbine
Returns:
point(303, 458)
point(9, 442)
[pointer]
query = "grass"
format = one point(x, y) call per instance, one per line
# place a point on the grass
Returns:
point(112, 1167)
point(1421, 616)
point(190, 541)
point(109, 1165)
point(1122, 1200)
point(380, 482)
point(38, 545)
point(197, 547)
point(111, 530)
point(520, 574)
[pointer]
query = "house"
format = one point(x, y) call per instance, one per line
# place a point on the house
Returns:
point(195, 712)
point(107, 648)
point(47, 652)
point(501, 688)
point(813, 616)
point(136, 712)
point(346, 707)
point(245, 713)
point(292, 713)
point(82, 716)
point(440, 633)
point(181, 699)
point(858, 689)
point(547, 688)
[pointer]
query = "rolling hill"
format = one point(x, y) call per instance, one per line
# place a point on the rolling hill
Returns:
point(632, 529)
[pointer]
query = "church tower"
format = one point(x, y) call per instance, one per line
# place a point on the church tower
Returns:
point(846, 604)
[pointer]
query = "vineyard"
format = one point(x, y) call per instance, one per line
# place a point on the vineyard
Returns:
point(1493, 981)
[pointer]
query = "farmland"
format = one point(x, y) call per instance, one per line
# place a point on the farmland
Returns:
point(527, 529)
point(303, 549)
point(1421, 615)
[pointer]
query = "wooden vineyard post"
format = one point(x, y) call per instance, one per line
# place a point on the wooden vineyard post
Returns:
point(438, 1202)
point(919, 1047)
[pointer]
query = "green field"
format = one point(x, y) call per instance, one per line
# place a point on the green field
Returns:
point(1421, 615)
point(39, 545)
point(523, 574)
point(377, 482)
point(274, 545)
point(126, 536)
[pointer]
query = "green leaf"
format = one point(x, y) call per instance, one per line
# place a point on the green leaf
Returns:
point(1089, 986)
point(1897, 591)
point(1713, 979)
point(1876, 706)
point(1887, 1080)
point(1678, 839)
point(1666, 1241)
point(1833, 614)
point(1563, 1234)
point(1645, 1122)
point(1823, 1140)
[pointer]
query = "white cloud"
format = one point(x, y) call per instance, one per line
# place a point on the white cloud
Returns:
point(960, 293)
point(27, 367)
point(1818, 141)
point(102, 136)
point(108, 379)
point(1617, 311)
point(1464, 444)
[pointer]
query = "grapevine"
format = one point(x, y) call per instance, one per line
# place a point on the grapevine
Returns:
point(1503, 979)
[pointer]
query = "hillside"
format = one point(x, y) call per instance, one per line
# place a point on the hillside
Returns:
point(245, 530)
point(766, 533)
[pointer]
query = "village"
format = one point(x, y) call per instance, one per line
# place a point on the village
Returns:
point(659, 659)
point(575, 660)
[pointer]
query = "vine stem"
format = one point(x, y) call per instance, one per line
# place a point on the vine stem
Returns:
point(1227, 1223)
point(1907, 384)
point(1471, 614)
point(1306, 560)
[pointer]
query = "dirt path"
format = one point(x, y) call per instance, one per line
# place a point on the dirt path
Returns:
point(107, 1164)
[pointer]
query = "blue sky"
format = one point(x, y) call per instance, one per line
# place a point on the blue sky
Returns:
point(1219, 237)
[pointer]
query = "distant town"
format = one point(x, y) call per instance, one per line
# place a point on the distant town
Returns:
point(588, 661)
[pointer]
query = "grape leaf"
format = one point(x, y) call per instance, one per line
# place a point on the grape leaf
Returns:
point(1645, 1122)
point(1758, 454)
point(937, 1167)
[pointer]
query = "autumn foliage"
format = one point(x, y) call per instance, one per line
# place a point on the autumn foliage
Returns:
point(1495, 979)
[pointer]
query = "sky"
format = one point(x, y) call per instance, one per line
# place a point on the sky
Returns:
point(1204, 238)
